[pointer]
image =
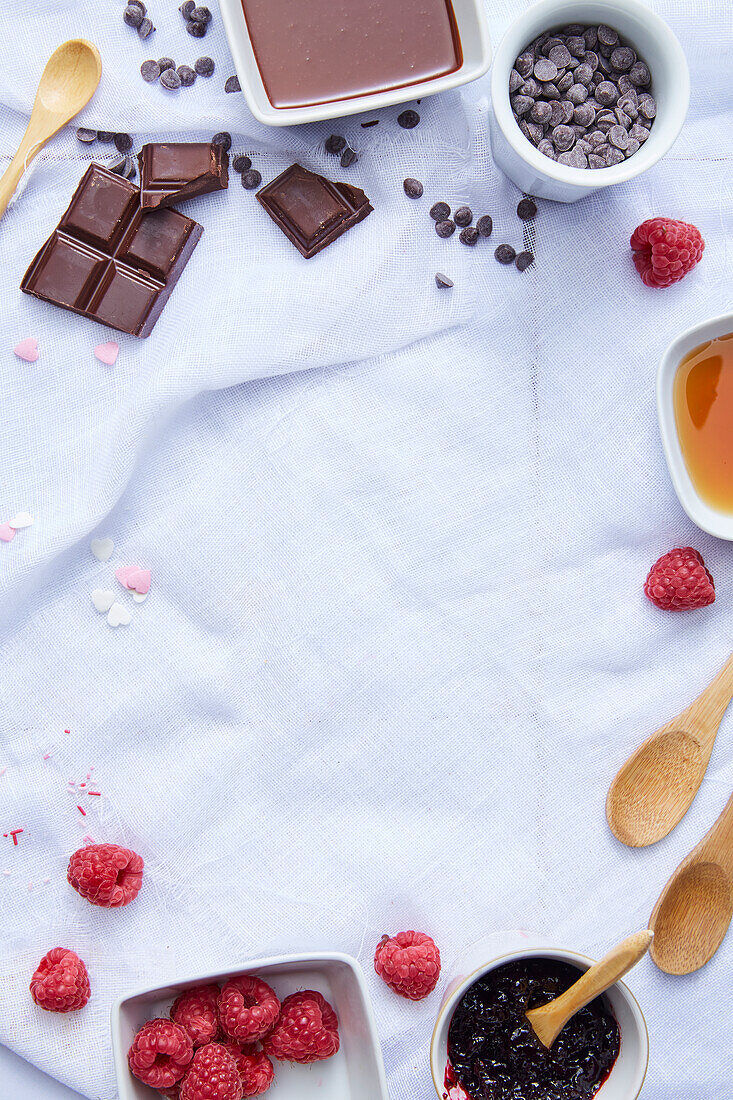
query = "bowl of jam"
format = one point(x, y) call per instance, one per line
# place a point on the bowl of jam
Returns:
point(695, 407)
point(484, 1048)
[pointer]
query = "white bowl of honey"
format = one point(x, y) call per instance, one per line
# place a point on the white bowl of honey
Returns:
point(695, 406)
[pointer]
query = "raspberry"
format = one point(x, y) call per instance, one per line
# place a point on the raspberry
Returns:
point(409, 963)
point(248, 1009)
point(213, 1075)
point(160, 1053)
point(307, 1030)
point(665, 250)
point(195, 1011)
point(61, 982)
point(679, 581)
point(106, 874)
point(255, 1068)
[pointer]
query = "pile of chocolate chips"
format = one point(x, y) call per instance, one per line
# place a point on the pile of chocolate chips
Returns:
point(581, 96)
point(197, 18)
point(172, 78)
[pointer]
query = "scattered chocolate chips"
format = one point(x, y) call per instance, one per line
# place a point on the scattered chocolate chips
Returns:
point(469, 235)
point(408, 120)
point(106, 136)
point(170, 79)
point(463, 216)
point(413, 188)
point(123, 166)
point(146, 28)
point(223, 138)
point(335, 144)
point(204, 66)
point(251, 179)
point(485, 225)
point(196, 30)
point(348, 157)
point(527, 209)
point(166, 63)
point(241, 163)
point(439, 211)
point(505, 254)
point(445, 228)
point(87, 136)
point(150, 71)
point(187, 75)
point(232, 84)
point(523, 260)
point(133, 15)
point(443, 282)
point(123, 143)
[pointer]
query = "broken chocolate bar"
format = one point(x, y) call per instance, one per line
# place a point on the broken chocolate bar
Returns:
point(311, 210)
point(173, 171)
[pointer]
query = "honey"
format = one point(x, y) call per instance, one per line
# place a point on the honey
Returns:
point(703, 408)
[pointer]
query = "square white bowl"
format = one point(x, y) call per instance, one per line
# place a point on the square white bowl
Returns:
point(475, 44)
point(355, 1073)
point(719, 524)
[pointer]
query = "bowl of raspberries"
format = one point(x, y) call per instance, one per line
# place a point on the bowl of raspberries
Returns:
point(291, 1026)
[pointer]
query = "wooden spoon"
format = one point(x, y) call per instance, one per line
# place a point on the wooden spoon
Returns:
point(691, 918)
point(67, 84)
point(548, 1020)
point(654, 789)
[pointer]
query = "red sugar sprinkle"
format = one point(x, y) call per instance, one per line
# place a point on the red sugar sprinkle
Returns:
point(82, 811)
point(14, 835)
point(82, 784)
point(67, 731)
point(94, 792)
point(47, 756)
point(88, 839)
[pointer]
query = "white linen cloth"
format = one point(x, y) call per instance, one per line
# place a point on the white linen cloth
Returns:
point(396, 644)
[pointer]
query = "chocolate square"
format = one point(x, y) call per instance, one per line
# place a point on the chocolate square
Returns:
point(172, 171)
point(109, 261)
point(311, 210)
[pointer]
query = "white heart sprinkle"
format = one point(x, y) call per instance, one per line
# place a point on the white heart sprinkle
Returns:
point(140, 597)
point(23, 519)
point(102, 549)
point(102, 599)
point(118, 615)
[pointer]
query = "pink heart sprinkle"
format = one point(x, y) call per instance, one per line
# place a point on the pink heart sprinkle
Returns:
point(27, 349)
point(7, 533)
point(107, 353)
point(133, 578)
point(124, 572)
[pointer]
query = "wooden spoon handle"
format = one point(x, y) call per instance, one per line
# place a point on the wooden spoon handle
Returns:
point(704, 715)
point(549, 1020)
point(27, 150)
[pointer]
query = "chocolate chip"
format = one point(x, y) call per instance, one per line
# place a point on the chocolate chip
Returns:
point(204, 66)
point(564, 83)
point(469, 235)
point(560, 55)
point(107, 136)
point(133, 16)
point(186, 8)
point(631, 148)
point(515, 81)
point(408, 120)
point(524, 63)
point(150, 71)
point(123, 143)
point(618, 136)
point(622, 118)
point(505, 254)
point(443, 282)
point(546, 148)
point(187, 75)
point(541, 112)
point(232, 84)
point(123, 166)
point(170, 79)
point(413, 188)
point(583, 74)
point(251, 179)
point(241, 163)
point(371, 122)
point(584, 115)
point(201, 15)
point(335, 144)
point(622, 58)
point(577, 94)
point(166, 63)
point(575, 158)
point(557, 115)
point(523, 260)
point(614, 156)
point(439, 211)
point(348, 157)
point(531, 87)
point(527, 209)
point(521, 104)
point(196, 30)
point(463, 216)
point(545, 69)
point(638, 132)
point(647, 106)
point(146, 28)
point(576, 45)
point(607, 36)
point(85, 135)
point(445, 228)
point(639, 75)
point(485, 225)
point(590, 37)
point(594, 161)
point(223, 138)
point(607, 93)
point(138, 4)
point(563, 138)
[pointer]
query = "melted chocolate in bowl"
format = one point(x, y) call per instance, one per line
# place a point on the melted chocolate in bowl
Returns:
point(316, 51)
point(494, 1054)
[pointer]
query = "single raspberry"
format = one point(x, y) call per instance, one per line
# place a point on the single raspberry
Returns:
point(307, 1030)
point(61, 982)
point(255, 1068)
point(160, 1053)
point(106, 874)
point(409, 963)
point(195, 1010)
point(248, 1008)
point(679, 581)
point(665, 250)
point(213, 1075)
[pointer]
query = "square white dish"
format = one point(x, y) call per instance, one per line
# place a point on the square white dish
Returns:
point(355, 1073)
point(719, 524)
point(475, 44)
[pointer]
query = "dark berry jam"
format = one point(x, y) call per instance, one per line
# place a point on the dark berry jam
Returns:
point(494, 1054)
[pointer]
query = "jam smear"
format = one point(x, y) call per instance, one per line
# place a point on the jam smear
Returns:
point(493, 1053)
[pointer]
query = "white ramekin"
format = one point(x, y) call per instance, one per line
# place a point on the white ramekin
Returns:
point(627, 1076)
point(472, 30)
point(719, 524)
point(653, 40)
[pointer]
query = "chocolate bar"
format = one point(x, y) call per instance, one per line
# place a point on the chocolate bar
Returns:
point(109, 260)
point(172, 171)
point(311, 210)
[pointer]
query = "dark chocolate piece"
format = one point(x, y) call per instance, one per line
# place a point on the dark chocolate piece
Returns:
point(171, 172)
point(311, 210)
point(109, 260)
